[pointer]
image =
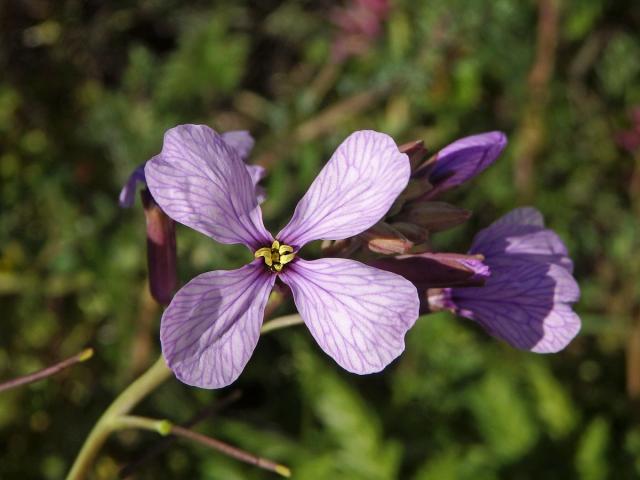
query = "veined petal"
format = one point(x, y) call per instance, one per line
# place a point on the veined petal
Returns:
point(464, 159)
point(358, 314)
point(527, 304)
point(212, 325)
point(240, 140)
point(198, 180)
point(521, 233)
point(352, 192)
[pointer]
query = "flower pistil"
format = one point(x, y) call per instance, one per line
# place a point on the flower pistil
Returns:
point(276, 256)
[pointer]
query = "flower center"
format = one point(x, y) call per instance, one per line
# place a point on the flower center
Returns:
point(276, 256)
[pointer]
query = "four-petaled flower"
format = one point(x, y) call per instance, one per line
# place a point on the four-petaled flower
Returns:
point(358, 314)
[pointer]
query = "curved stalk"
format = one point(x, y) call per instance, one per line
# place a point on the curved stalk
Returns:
point(111, 419)
point(129, 398)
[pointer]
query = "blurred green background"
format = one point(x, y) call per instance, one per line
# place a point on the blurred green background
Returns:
point(87, 90)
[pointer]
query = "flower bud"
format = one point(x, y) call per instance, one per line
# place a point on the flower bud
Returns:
point(383, 238)
point(433, 216)
point(415, 151)
point(161, 250)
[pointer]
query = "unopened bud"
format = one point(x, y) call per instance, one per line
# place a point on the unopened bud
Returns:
point(383, 238)
point(415, 151)
point(435, 270)
point(161, 250)
point(415, 233)
point(434, 216)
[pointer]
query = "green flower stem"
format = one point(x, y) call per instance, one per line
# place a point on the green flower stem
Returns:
point(164, 428)
point(281, 322)
point(112, 418)
point(129, 398)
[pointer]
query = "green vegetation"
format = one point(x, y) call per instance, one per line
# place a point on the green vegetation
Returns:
point(88, 89)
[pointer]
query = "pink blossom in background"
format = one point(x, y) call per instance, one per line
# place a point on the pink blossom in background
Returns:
point(358, 23)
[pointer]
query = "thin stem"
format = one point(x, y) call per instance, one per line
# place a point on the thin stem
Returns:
point(163, 444)
point(281, 322)
point(47, 372)
point(164, 427)
point(132, 395)
point(129, 398)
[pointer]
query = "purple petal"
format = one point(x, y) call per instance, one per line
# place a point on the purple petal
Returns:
point(212, 325)
point(128, 192)
point(240, 140)
point(201, 182)
point(526, 239)
point(352, 192)
point(527, 304)
point(463, 160)
point(522, 216)
point(257, 173)
point(358, 314)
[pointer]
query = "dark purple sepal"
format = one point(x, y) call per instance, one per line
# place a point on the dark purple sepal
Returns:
point(433, 216)
point(416, 152)
point(161, 250)
point(437, 270)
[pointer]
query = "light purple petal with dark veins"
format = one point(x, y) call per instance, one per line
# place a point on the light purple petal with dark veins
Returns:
point(464, 159)
point(527, 240)
point(352, 192)
point(240, 140)
point(212, 325)
point(527, 304)
point(128, 192)
point(358, 314)
point(198, 180)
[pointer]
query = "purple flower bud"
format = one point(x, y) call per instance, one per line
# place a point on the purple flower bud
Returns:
point(462, 160)
point(161, 250)
point(416, 152)
point(434, 216)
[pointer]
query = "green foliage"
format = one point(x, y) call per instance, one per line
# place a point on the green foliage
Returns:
point(88, 90)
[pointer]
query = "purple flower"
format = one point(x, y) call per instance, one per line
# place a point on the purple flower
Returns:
point(240, 140)
point(460, 161)
point(358, 314)
point(527, 300)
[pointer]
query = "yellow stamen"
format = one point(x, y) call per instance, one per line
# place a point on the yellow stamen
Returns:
point(276, 256)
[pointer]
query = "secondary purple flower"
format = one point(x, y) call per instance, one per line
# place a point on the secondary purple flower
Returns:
point(358, 314)
point(527, 300)
point(240, 140)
